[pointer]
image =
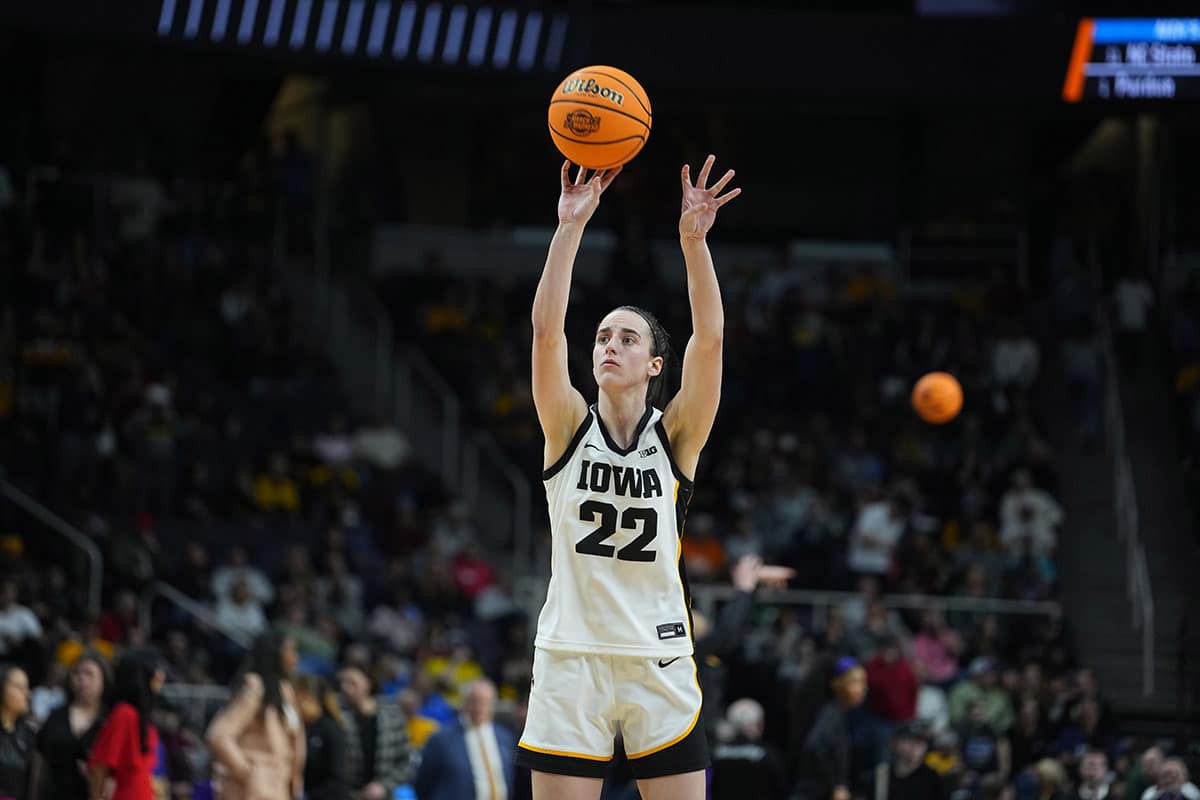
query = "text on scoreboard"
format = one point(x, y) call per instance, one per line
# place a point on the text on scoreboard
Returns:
point(1134, 59)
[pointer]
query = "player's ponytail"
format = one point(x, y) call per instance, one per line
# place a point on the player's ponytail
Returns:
point(660, 345)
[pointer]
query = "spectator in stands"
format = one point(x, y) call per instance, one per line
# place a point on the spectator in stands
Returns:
point(472, 572)
point(1173, 783)
point(1049, 782)
point(981, 687)
point(86, 637)
point(126, 749)
point(858, 467)
point(721, 638)
point(1082, 732)
point(67, 736)
point(325, 749)
point(275, 490)
point(907, 777)
point(16, 733)
point(875, 534)
point(238, 569)
point(1144, 774)
point(257, 742)
point(744, 765)
point(945, 758)
point(240, 613)
point(381, 445)
point(1028, 513)
point(936, 649)
point(472, 757)
point(399, 622)
point(1015, 359)
point(379, 756)
point(453, 664)
point(340, 595)
point(986, 753)
point(881, 625)
point(892, 686)
point(702, 547)
point(133, 554)
point(1095, 781)
point(1030, 737)
point(1133, 298)
point(824, 770)
point(118, 625)
point(20, 630)
point(420, 727)
point(194, 576)
point(298, 580)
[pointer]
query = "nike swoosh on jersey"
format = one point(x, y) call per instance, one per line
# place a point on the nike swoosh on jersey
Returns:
point(594, 447)
point(664, 663)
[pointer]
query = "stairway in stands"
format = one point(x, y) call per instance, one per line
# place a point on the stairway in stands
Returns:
point(1167, 515)
point(1094, 560)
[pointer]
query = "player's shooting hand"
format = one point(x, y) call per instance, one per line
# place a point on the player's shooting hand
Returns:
point(581, 197)
point(700, 201)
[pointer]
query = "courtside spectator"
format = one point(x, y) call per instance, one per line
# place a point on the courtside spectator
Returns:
point(746, 766)
point(907, 777)
point(472, 757)
point(379, 755)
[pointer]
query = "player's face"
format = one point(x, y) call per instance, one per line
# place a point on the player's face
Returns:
point(621, 351)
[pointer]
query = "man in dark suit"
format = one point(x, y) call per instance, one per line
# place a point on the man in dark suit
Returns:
point(472, 758)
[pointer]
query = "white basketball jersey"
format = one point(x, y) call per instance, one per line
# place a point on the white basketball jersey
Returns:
point(617, 580)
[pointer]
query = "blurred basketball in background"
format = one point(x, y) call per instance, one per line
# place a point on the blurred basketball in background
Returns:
point(937, 397)
point(599, 117)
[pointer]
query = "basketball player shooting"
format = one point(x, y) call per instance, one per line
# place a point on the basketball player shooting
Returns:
point(614, 640)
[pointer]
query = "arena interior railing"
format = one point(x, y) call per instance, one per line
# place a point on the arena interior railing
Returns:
point(708, 595)
point(187, 605)
point(75, 537)
point(1125, 505)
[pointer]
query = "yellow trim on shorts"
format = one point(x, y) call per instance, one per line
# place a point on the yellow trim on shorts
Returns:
point(684, 735)
point(548, 752)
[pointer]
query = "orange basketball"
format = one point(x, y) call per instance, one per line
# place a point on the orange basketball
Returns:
point(937, 397)
point(599, 117)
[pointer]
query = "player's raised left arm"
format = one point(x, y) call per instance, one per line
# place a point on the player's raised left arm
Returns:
point(689, 416)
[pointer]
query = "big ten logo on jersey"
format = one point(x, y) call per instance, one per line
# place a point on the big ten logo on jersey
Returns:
point(625, 481)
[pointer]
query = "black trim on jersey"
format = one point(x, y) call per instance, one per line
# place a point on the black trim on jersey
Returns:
point(684, 480)
point(637, 434)
point(563, 765)
point(557, 466)
point(687, 755)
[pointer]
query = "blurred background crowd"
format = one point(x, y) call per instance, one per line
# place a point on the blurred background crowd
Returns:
point(171, 405)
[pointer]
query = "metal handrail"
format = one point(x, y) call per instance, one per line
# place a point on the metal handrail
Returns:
point(67, 531)
point(1128, 522)
point(451, 408)
point(808, 597)
point(194, 608)
point(522, 501)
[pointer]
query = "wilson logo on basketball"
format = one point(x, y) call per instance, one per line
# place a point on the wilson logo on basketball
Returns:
point(589, 86)
point(581, 123)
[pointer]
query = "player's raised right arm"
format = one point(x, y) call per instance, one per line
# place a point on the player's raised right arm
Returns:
point(560, 407)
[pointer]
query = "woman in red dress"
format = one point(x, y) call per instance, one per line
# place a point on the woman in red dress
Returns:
point(127, 747)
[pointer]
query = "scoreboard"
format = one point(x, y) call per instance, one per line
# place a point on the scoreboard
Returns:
point(1134, 59)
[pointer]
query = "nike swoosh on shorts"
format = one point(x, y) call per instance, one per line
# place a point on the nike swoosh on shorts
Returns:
point(664, 663)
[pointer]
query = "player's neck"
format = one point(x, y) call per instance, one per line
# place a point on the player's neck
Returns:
point(622, 413)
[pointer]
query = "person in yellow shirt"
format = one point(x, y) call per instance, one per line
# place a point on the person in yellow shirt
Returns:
point(420, 727)
point(88, 638)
